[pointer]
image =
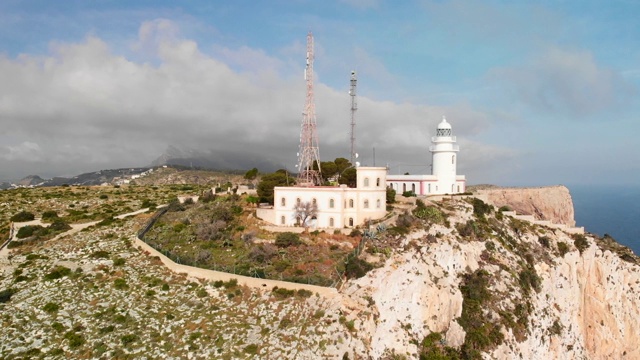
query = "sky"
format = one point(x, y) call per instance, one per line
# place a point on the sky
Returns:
point(537, 92)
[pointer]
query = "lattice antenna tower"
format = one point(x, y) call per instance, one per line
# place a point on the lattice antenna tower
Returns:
point(309, 151)
point(354, 107)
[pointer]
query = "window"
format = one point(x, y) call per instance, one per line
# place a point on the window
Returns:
point(378, 203)
point(314, 201)
point(298, 201)
point(330, 222)
point(366, 181)
point(282, 220)
point(458, 188)
point(404, 187)
point(453, 159)
point(413, 188)
point(366, 204)
point(283, 202)
point(378, 182)
point(350, 221)
point(429, 188)
point(350, 203)
point(331, 203)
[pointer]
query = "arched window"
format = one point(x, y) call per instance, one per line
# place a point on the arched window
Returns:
point(458, 188)
point(378, 203)
point(404, 187)
point(314, 201)
point(366, 181)
point(429, 188)
point(350, 221)
point(283, 202)
point(413, 188)
point(366, 203)
point(298, 201)
point(350, 203)
point(331, 203)
point(330, 222)
point(378, 182)
point(453, 159)
point(282, 220)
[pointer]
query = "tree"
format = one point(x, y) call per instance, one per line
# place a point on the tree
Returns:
point(349, 176)
point(251, 174)
point(304, 211)
point(269, 181)
point(329, 169)
point(391, 195)
point(342, 164)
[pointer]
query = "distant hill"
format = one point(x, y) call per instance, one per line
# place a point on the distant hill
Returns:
point(91, 178)
point(217, 160)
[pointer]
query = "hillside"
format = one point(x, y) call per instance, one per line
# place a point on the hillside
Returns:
point(455, 279)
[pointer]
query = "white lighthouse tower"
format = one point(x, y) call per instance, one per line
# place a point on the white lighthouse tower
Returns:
point(444, 160)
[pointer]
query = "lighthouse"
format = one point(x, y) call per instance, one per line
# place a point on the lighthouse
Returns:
point(443, 154)
point(444, 160)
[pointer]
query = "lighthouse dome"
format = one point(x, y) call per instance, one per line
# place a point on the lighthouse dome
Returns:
point(444, 128)
point(444, 124)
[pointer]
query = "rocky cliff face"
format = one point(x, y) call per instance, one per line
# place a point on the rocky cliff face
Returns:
point(548, 295)
point(545, 203)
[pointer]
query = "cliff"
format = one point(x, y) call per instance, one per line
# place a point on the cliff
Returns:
point(507, 289)
point(551, 203)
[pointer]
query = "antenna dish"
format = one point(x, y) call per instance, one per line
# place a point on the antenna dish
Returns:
point(357, 155)
point(357, 163)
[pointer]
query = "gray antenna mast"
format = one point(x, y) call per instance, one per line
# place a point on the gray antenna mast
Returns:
point(354, 107)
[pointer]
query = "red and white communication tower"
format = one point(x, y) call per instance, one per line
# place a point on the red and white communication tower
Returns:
point(309, 151)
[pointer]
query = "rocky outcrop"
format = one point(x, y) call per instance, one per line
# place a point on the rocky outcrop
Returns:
point(551, 203)
point(586, 304)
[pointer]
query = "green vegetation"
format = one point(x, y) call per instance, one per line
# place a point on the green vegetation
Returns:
point(22, 216)
point(6, 294)
point(580, 242)
point(57, 272)
point(287, 239)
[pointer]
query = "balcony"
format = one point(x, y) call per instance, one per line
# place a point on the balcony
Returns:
point(438, 139)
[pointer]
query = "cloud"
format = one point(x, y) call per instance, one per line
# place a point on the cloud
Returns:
point(565, 82)
point(82, 108)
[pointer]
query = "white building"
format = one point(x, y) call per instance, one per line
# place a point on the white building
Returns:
point(338, 206)
point(443, 178)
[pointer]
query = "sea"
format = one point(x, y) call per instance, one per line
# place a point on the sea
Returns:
point(613, 210)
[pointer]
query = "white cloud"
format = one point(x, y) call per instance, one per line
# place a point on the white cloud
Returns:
point(83, 108)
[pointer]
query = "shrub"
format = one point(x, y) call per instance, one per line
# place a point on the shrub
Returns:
point(100, 254)
point(304, 293)
point(355, 232)
point(391, 196)
point(51, 307)
point(408, 194)
point(429, 213)
point(282, 293)
point(544, 241)
point(22, 216)
point(58, 272)
point(251, 349)
point(104, 196)
point(128, 339)
point(5, 295)
point(287, 239)
point(563, 248)
point(49, 214)
point(120, 284)
point(59, 226)
point(580, 241)
point(356, 268)
point(75, 340)
point(31, 230)
point(118, 262)
point(480, 208)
